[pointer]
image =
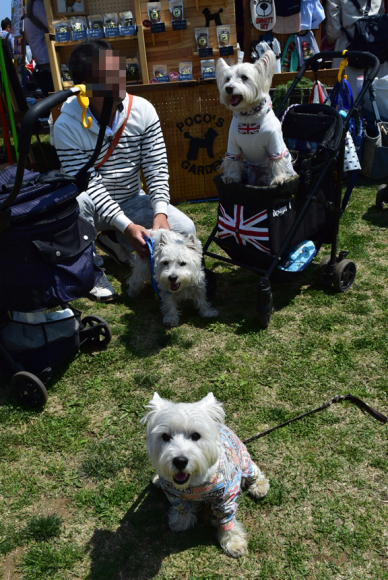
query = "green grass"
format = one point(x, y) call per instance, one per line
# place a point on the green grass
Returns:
point(75, 493)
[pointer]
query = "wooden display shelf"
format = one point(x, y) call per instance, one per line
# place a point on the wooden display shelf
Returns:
point(112, 39)
point(168, 26)
point(221, 3)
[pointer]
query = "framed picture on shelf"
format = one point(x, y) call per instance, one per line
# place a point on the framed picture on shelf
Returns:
point(69, 7)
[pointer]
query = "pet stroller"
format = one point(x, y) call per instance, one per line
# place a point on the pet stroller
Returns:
point(262, 229)
point(46, 258)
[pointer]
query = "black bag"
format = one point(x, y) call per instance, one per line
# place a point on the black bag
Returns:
point(370, 35)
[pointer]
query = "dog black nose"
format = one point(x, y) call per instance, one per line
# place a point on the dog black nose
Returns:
point(229, 90)
point(173, 278)
point(180, 462)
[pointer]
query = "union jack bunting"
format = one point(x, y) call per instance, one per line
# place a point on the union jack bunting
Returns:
point(244, 230)
point(249, 128)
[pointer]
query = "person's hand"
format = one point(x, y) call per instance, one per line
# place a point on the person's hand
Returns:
point(160, 222)
point(135, 235)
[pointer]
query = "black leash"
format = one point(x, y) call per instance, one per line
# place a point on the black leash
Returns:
point(337, 399)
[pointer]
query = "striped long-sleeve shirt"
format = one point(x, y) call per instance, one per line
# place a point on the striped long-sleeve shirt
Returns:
point(141, 145)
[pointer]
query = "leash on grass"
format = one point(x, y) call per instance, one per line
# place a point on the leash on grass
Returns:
point(337, 399)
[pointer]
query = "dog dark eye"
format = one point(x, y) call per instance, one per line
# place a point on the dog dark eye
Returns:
point(165, 263)
point(182, 264)
point(244, 78)
point(166, 437)
point(228, 79)
point(195, 436)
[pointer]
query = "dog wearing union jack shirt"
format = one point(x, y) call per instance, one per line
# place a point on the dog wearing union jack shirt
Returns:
point(255, 132)
point(197, 458)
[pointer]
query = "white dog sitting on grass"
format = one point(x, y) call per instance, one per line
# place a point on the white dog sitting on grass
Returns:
point(255, 132)
point(196, 459)
point(179, 274)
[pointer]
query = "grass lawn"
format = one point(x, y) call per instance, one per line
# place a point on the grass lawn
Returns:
point(75, 493)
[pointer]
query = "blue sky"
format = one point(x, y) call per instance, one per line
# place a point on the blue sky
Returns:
point(5, 9)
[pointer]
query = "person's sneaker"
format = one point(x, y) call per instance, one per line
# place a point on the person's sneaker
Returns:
point(115, 250)
point(103, 291)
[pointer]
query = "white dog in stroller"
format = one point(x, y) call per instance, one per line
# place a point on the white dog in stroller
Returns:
point(255, 132)
point(179, 274)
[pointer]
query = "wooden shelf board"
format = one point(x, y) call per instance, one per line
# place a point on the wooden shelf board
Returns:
point(113, 39)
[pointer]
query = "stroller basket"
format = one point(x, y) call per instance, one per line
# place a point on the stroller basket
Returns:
point(43, 345)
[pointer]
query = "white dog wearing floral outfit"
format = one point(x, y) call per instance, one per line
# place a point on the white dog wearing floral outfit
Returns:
point(197, 458)
point(255, 132)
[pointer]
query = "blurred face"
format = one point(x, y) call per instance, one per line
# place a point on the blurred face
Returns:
point(108, 75)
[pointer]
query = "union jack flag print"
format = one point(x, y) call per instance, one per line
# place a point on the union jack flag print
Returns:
point(249, 128)
point(244, 230)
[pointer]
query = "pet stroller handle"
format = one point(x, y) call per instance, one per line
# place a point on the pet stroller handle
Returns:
point(312, 62)
point(27, 128)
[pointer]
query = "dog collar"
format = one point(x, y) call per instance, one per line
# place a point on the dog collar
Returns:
point(258, 108)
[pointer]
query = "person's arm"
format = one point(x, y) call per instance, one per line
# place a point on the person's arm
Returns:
point(11, 45)
point(155, 167)
point(333, 20)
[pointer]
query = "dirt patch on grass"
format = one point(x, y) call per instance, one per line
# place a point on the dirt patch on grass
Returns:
point(8, 568)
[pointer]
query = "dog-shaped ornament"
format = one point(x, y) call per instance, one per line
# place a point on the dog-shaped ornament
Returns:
point(179, 274)
point(255, 132)
point(197, 458)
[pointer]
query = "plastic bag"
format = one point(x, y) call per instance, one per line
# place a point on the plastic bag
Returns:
point(153, 9)
point(176, 9)
point(111, 20)
point(223, 35)
point(202, 37)
point(96, 22)
point(208, 69)
point(78, 23)
point(126, 18)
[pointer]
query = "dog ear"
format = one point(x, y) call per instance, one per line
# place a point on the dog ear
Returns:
point(266, 67)
point(212, 407)
point(154, 405)
point(220, 69)
point(162, 242)
point(193, 243)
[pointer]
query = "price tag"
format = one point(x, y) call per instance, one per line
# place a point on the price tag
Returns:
point(185, 77)
point(79, 34)
point(98, 33)
point(158, 27)
point(163, 79)
point(209, 75)
point(179, 25)
point(204, 52)
point(226, 50)
point(128, 30)
point(111, 32)
point(62, 36)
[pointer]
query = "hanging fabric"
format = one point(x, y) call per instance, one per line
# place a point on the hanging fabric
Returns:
point(263, 14)
point(306, 46)
point(290, 56)
point(288, 16)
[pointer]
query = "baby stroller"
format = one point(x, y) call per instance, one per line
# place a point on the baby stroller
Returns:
point(46, 258)
point(259, 227)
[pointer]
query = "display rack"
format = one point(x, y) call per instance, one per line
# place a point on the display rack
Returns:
point(133, 46)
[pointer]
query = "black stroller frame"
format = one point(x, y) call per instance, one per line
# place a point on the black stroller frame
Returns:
point(335, 269)
point(53, 348)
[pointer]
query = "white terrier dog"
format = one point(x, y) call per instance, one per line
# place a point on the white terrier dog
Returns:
point(178, 274)
point(255, 132)
point(197, 458)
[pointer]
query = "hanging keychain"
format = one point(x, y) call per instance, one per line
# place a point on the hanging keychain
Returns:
point(83, 102)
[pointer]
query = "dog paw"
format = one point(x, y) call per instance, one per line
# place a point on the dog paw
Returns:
point(156, 481)
point(170, 321)
point(259, 488)
point(208, 313)
point(229, 180)
point(234, 541)
point(278, 181)
point(179, 521)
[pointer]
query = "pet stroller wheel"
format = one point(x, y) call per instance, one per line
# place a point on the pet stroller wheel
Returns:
point(29, 389)
point(211, 284)
point(102, 335)
point(323, 280)
point(382, 196)
point(264, 319)
point(344, 275)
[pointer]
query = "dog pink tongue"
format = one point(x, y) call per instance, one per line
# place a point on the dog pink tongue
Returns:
point(235, 99)
point(180, 476)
